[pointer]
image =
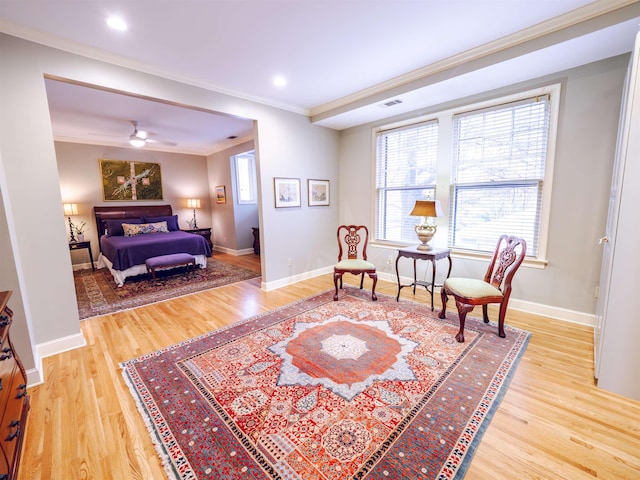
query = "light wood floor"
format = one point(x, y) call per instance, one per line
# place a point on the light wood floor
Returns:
point(553, 423)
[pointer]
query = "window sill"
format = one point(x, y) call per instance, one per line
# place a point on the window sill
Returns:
point(466, 254)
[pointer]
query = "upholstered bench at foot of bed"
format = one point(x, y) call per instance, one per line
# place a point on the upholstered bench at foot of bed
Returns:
point(170, 261)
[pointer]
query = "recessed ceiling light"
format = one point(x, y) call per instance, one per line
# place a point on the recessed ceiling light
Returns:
point(279, 81)
point(117, 23)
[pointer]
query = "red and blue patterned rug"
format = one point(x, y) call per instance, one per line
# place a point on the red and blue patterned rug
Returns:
point(326, 390)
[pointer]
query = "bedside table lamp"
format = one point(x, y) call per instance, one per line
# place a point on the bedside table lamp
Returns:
point(193, 203)
point(426, 209)
point(69, 210)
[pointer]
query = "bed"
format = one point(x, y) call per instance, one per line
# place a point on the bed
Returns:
point(125, 255)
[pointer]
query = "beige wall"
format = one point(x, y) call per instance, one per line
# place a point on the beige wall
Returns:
point(183, 176)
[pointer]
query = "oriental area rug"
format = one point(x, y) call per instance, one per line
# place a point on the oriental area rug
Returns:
point(98, 294)
point(319, 389)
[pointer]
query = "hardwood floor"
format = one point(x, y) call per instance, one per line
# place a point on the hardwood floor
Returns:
point(553, 423)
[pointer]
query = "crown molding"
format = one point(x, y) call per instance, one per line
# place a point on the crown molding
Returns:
point(59, 43)
point(573, 18)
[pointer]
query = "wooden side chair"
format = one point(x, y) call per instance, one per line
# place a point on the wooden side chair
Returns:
point(354, 239)
point(495, 288)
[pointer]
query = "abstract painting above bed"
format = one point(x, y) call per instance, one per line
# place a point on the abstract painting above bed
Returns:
point(129, 235)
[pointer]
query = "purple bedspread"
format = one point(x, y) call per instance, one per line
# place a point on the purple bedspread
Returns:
point(125, 252)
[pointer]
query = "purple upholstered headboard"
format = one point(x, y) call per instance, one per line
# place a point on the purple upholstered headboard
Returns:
point(127, 211)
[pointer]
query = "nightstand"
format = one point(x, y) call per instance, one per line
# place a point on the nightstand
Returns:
point(203, 232)
point(80, 246)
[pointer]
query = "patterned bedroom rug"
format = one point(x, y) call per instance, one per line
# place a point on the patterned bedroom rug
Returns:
point(98, 294)
point(326, 390)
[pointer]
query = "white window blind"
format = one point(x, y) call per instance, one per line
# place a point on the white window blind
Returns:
point(498, 171)
point(405, 172)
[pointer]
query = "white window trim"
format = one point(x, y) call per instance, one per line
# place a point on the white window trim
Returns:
point(252, 180)
point(445, 167)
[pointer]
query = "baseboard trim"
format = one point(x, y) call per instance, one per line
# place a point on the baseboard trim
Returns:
point(81, 266)
point(33, 377)
point(53, 347)
point(295, 278)
point(557, 313)
point(235, 253)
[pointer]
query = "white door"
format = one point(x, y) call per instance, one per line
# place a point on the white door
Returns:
point(608, 240)
point(618, 361)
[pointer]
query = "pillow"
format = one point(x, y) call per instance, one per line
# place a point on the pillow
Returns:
point(114, 227)
point(172, 221)
point(132, 229)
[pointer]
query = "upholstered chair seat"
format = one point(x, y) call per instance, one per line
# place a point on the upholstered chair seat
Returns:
point(495, 288)
point(355, 265)
point(352, 241)
point(473, 288)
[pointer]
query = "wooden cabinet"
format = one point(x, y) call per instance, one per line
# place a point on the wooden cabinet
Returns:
point(256, 240)
point(14, 401)
point(203, 232)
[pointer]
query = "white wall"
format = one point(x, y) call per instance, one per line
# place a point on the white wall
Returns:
point(287, 144)
point(183, 176)
point(585, 147)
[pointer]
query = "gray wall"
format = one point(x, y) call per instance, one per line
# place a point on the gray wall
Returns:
point(588, 123)
point(300, 240)
point(232, 222)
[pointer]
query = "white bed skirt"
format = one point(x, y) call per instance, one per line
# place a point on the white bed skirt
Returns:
point(120, 275)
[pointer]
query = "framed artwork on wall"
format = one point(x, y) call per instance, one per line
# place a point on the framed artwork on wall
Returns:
point(318, 191)
point(287, 192)
point(123, 180)
point(221, 196)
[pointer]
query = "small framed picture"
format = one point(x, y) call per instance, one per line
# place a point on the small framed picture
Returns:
point(221, 196)
point(318, 192)
point(287, 192)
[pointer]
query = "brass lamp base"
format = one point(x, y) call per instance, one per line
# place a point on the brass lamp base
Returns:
point(425, 234)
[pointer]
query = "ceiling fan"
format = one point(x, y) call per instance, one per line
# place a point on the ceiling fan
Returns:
point(139, 138)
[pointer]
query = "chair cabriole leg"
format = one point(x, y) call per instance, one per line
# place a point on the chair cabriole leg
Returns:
point(463, 309)
point(485, 313)
point(443, 297)
point(503, 313)
point(374, 277)
point(336, 276)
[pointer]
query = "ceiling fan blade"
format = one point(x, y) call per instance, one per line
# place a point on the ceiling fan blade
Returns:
point(160, 142)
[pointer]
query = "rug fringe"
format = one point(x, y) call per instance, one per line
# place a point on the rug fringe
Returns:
point(146, 417)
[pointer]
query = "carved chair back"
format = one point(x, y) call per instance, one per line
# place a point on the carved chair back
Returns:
point(508, 256)
point(353, 241)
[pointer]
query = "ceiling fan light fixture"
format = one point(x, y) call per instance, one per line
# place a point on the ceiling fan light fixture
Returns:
point(136, 141)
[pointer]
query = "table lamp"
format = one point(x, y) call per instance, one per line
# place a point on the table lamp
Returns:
point(69, 210)
point(426, 229)
point(193, 203)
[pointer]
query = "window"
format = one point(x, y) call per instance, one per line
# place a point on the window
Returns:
point(492, 163)
point(405, 172)
point(245, 164)
point(498, 174)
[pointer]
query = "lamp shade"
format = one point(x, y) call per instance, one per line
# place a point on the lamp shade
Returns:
point(70, 209)
point(193, 203)
point(427, 208)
